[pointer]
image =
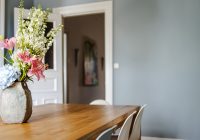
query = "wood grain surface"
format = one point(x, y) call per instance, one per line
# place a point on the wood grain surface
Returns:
point(66, 122)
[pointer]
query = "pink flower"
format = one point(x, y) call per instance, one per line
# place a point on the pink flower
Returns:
point(4, 43)
point(12, 42)
point(8, 43)
point(37, 68)
point(24, 56)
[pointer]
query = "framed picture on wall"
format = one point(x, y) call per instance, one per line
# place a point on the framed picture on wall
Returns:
point(90, 63)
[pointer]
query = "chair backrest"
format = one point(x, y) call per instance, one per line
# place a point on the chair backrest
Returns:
point(125, 129)
point(99, 102)
point(136, 129)
point(106, 135)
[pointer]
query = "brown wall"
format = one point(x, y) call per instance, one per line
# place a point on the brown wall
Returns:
point(77, 28)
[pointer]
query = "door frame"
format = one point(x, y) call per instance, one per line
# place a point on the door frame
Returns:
point(2, 26)
point(96, 8)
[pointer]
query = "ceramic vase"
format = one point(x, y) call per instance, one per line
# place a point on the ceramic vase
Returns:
point(16, 103)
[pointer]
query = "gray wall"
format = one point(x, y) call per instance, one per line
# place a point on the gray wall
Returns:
point(156, 43)
point(161, 42)
point(9, 14)
point(60, 3)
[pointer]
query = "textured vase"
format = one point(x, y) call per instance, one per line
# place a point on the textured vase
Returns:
point(16, 103)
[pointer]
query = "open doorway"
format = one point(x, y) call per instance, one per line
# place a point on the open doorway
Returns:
point(104, 7)
point(85, 57)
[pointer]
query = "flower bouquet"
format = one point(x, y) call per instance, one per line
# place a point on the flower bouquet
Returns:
point(27, 50)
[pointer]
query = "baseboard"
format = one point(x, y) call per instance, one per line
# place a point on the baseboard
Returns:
point(156, 138)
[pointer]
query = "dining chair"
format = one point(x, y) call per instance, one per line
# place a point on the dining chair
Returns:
point(125, 129)
point(136, 127)
point(99, 102)
point(106, 135)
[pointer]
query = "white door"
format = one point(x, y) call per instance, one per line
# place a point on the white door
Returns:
point(49, 90)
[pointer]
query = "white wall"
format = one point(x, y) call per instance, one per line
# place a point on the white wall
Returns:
point(2, 23)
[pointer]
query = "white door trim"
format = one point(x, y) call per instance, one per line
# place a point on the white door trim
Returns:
point(2, 26)
point(65, 67)
point(94, 8)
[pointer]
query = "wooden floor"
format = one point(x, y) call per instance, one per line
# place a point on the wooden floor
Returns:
point(154, 138)
point(151, 138)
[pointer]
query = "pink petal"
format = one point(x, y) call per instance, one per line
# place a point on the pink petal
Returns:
point(8, 43)
point(37, 68)
point(24, 56)
point(11, 43)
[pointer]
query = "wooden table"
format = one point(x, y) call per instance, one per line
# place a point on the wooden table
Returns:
point(66, 122)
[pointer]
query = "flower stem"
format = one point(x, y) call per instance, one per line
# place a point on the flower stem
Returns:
point(1, 55)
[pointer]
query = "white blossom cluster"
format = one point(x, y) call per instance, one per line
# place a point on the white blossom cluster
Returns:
point(32, 38)
point(31, 33)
